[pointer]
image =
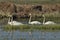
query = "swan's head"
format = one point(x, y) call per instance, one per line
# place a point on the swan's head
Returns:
point(30, 14)
point(43, 15)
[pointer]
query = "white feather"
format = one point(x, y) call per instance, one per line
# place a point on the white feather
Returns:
point(14, 23)
point(50, 22)
point(34, 22)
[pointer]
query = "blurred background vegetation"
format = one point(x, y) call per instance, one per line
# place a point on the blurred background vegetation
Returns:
point(49, 16)
point(32, 1)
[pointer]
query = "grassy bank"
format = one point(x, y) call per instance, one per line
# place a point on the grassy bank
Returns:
point(33, 1)
point(32, 27)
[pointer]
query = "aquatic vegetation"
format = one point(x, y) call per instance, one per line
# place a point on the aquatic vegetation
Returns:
point(31, 27)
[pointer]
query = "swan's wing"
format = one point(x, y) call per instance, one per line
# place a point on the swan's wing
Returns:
point(35, 22)
point(50, 22)
point(15, 23)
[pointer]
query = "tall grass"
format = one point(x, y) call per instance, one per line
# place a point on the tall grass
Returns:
point(32, 27)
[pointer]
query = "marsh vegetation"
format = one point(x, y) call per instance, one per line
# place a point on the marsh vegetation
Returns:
point(32, 27)
point(27, 31)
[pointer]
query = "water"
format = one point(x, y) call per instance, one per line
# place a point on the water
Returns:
point(35, 35)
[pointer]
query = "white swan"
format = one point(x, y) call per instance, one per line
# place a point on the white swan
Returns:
point(11, 22)
point(48, 22)
point(33, 22)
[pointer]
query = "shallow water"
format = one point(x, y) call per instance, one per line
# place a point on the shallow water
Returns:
point(35, 35)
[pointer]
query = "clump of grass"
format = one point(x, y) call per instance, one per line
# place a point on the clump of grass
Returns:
point(11, 27)
point(32, 27)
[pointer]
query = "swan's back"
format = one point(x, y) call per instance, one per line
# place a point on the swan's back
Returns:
point(14, 23)
point(49, 22)
point(35, 22)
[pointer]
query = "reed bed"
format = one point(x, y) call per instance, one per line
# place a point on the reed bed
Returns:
point(31, 27)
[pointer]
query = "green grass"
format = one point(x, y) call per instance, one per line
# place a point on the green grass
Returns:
point(33, 1)
point(32, 27)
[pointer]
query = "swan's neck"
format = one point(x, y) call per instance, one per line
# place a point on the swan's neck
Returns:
point(10, 19)
point(43, 19)
point(30, 19)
